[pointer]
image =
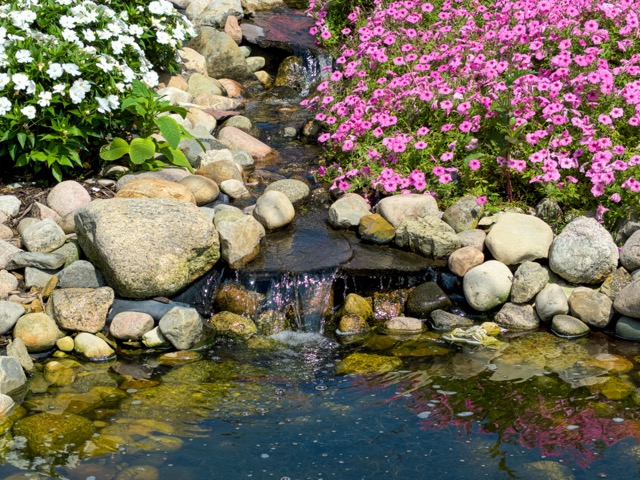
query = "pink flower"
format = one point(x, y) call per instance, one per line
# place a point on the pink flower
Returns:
point(481, 200)
point(438, 171)
point(474, 164)
point(616, 112)
point(446, 156)
point(444, 179)
point(604, 119)
point(420, 145)
point(615, 198)
point(422, 131)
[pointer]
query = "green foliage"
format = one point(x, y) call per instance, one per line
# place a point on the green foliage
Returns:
point(65, 66)
point(142, 109)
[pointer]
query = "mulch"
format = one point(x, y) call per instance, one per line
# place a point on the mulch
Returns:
point(29, 194)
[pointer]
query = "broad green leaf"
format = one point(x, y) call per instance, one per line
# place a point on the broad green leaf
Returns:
point(64, 160)
point(22, 160)
point(177, 158)
point(39, 156)
point(57, 172)
point(117, 149)
point(141, 150)
point(170, 130)
point(22, 138)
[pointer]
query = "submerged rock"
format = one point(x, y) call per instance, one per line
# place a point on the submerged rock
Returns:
point(234, 298)
point(234, 326)
point(92, 348)
point(48, 434)
point(366, 363)
point(442, 320)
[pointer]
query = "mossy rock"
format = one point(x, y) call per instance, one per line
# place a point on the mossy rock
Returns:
point(271, 322)
point(234, 298)
point(367, 363)
point(49, 434)
point(356, 305)
point(616, 388)
point(232, 325)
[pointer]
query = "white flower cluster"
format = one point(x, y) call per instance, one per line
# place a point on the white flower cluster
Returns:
point(102, 41)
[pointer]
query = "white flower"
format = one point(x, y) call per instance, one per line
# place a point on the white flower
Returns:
point(64, 2)
point(31, 87)
point(67, 22)
point(115, 29)
point(20, 81)
point(117, 46)
point(70, 35)
point(4, 79)
point(29, 112)
point(136, 30)
point(104, 65)
point(128, 74)
point(89, 36)
point(54, 71)
point(103, 105)
point(104, 34)
point(114, 101)
point(160, 7)
point(163, 38)
point(23, 56)
point(79, 90)
point(44, 99)
point(5, 106)
point(151, 79)
point(71, 69)
point(59, 88)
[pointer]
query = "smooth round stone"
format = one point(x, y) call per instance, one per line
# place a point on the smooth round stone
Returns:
point(274, 210)
point(234, 89)
point(551, 301)
point(234, 188)
point(403, 325)
point(238, 121)
point(593, 308)
point(464, 213)
point(201, 119)
point(347, 211)
point(487, 286)
point(92, 347)
point(397, 208)
point(424, 299)
point(67, 196)
point(8, 283)
point(568, 326)
point(221, 170)
point(6, 233)
point(630, 252)
point(236, 139)
point(204, 189)
point(182, 327)
point(628, 328)
point(442, 320)
point(627, 300)
point(156, 188)
point(80, 274)
point(353, 324)
point(464, 259)
point(130, 325)
point(375, 229)
point(517, 238)
point(44, 236)
point(38, 331)
point(66, 344)
point(296, 191)
point(213, 156)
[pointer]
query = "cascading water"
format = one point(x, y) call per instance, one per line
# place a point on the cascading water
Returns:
point(317, 66)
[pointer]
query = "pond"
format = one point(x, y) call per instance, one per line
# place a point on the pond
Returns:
point(290, 407)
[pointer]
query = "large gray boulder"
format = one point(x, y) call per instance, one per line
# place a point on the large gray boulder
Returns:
point(584, 252)
point(413, 206)
point(223, 56)
point(517, 238)
point(428, 236)
point(216, 12)
point(627, 301)
point(12, 376)
point(147, 247)
point(487, 286)
point(529, 279)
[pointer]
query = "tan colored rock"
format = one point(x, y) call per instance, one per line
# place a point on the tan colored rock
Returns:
point(464, 259)
point(67, 196)
point(43, 212)
point(234, 89)
point(178, 82)
point(220, 171)
point(236, 139)
point(374, 228)
point(156, 188)
point(81, 309)
point(192, 61)
point(199, 118)
point(217, 102)
point(232, 28)
point(264, 78)
point(203, 188)
point(38, 331)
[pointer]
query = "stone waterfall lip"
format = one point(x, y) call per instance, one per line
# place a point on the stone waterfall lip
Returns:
point(283, 28)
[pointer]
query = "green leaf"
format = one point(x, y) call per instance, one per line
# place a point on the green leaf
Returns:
point(117, 149)
point(56, 171)
point(176, 157)
point(170, 130)
point(22, 138)
point(141, 149)
point(39, 156)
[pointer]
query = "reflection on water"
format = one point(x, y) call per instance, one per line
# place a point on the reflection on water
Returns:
point(542, 407)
